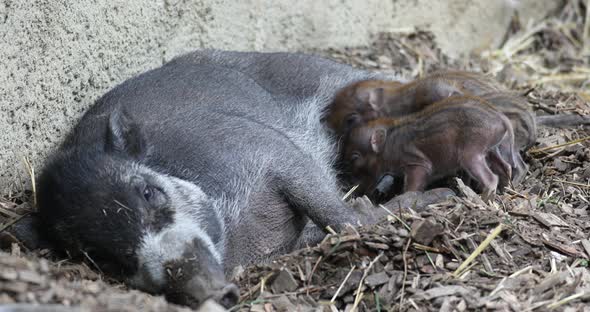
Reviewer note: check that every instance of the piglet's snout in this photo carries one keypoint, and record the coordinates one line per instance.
(383, 188)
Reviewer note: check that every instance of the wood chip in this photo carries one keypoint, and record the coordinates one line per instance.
(284, 282)
(586, 245)
(377, 279)
(469, 193)
(424, 231)
(31, 277)
(378, 246)
(343, 239)
(549, 219)
(563, 249)
(560, 165)
(444, 291)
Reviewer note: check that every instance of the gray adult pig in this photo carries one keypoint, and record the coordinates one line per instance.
(214, 160)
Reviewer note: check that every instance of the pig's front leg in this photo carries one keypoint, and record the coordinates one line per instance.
(311, 194)
(310, 236)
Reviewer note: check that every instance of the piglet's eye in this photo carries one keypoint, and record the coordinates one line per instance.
(355, 156)
(352, 120)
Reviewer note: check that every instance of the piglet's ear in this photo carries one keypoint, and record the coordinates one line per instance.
(455, 93)
(371, 96)
(376, 99)
(124, 136)
(378, 140)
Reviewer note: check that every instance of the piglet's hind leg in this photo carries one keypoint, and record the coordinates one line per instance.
(500, 167)
(415, 178)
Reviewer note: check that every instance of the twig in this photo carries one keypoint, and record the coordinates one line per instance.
(91, 261)
(9, 224)
(253, 289)
(486, 262)
(430, 260)
(565, 300)
(586, 36)
(426, 248)
(313, 270)
(414, 304)
(8, 213)
(396, 217)
(516, 43)
(262, 284)
(466, 270)
(562, 77)
(517, 273)
(359, 296)
(377, 302)
(499, 287)
(331, 230)
(121, 205)
(478, 250)
(572, 183)
(547, 148)
(31, 172)
(342, 285)
(403, 291)
(350, 192)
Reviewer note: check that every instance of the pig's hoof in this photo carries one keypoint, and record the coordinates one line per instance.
(365, 207)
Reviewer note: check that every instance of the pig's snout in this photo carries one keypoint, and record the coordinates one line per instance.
(228, 296)
(203, 282)
(197, 291)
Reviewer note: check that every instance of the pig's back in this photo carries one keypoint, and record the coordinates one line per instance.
(212, 125)
(286, 76)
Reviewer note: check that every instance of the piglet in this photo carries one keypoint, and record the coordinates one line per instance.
(458, 133)
(366, 100)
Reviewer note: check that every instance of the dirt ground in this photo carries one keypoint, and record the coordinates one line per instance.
(527, 250)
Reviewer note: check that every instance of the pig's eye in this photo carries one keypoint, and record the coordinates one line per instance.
(148, 193)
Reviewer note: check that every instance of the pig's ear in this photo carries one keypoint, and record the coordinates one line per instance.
(378, 139)
(125, 136)
(376, 99)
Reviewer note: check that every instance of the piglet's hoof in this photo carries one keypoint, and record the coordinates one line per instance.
(419, 200)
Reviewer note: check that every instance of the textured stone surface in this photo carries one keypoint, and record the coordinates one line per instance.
(58, 56)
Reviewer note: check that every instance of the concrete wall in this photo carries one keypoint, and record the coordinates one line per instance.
(58, 56)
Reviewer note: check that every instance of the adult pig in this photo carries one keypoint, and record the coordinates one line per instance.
(214, 160)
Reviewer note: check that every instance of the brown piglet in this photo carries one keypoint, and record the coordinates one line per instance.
(517, 109)
(457, 133)
(366, 100)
